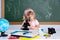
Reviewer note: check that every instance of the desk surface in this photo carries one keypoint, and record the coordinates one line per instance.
(9, 31)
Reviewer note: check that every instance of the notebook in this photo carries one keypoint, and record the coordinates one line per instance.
(24, 33)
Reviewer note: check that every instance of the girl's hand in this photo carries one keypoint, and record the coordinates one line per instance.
(31, 27)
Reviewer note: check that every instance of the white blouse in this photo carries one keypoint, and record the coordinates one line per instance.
(34, 23)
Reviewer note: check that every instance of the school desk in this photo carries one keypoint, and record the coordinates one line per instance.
(28, 35)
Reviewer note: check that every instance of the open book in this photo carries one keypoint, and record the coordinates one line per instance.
(24, 33)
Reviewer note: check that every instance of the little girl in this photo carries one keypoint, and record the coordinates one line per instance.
(34, 24)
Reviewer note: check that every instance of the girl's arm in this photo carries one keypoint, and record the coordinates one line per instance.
(37, 24)
(34, 27)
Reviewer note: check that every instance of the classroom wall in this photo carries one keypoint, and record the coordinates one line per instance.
(0, 8)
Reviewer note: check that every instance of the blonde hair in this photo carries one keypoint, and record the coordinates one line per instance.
(28, 12)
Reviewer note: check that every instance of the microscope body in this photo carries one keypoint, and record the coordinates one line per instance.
(26, 24)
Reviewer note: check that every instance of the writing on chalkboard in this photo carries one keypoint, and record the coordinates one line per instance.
(46, 10)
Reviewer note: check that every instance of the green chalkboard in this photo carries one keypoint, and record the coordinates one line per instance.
(46, 10)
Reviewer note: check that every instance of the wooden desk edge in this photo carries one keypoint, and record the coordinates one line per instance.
(41, 23)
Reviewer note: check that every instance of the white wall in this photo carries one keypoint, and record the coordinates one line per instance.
(0, 8)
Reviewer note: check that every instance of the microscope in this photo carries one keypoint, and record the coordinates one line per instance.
(26, 24)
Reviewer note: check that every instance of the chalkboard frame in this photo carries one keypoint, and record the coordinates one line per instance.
(43, 23)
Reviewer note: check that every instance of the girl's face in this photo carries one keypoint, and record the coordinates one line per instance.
(31, 17)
